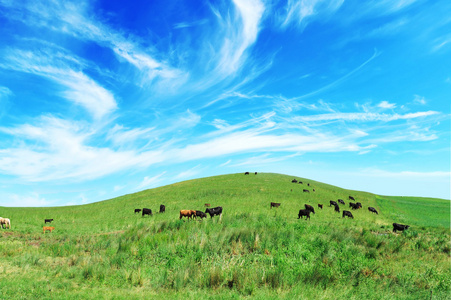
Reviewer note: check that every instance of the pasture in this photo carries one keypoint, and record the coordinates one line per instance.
(104, 250)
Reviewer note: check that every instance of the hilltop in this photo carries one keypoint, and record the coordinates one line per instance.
(104, 250)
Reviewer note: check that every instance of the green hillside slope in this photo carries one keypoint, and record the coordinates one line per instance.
(104, 250)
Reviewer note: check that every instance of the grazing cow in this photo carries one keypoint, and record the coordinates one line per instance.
(45, 228)
(207, 204)
(214, 211)
(300, 182)
(347, 213)
(200, 214)
(247, 173)
(308, 184)
(359, 204)
(337, 209)
(320, 206)
(274, 204)
(373, 210)
(5, 221)
(354, 205)
(255, 173)
(187, 213)
(399, 227)
(162, 208)
(294, 181)
(137, 210)
(314, 190)
(332, 203)
(48, 221)
(341, 201)
(146, 211)
(309, 207)
(304, 212)
(306, 191)
(351, 198)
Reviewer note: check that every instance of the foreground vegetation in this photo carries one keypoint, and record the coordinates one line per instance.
(104, 250)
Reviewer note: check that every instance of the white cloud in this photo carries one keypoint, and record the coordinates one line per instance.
(386, 105)
(304, 11)
(189, 173)
(419, 100)
(149, 182)
(25, 200)
(5, 92)
(364, 117)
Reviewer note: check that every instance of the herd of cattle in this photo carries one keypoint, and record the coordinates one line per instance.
(217, 211)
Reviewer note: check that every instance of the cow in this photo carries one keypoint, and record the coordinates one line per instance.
(309, 207)
(359, 204)
(294, 181)
(300, 182)
(399, 227)
(247, 173)
(214, 211)
(373, 210)
(354, 205)
(341, 201)
(5, 221)
(274, 204)
(45, 228)
(320, 206)
(337, 209)
(347, 213)
(137, 210)
(314, 190)
(207, 204)
(308, 184)
(351, 198)
(255, 173)
(48, 221)
(332, 203)
(200, 214)
(306, 191)
(304, 212)
(146, 211)
(162, 208)
(187, 213)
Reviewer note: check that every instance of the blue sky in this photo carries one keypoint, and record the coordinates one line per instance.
(103, 98)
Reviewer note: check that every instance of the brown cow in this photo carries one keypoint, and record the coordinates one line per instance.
(187, 213)
(45, 228)
(207, 204)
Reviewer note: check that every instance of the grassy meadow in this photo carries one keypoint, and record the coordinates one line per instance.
(105, 251)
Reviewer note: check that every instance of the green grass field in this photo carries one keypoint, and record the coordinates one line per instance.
(105, 251)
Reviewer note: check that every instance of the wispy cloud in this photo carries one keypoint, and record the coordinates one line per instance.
(386, 105)
(149, 182)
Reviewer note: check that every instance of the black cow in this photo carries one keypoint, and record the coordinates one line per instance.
(146, 211)
(399, 227)
(200, 214)
(373, 210)
(313, 189)
(347, 213)
(309, 207)
(162, 208)
(351, 198)
(337, 209)
(359, 204)
(332, 203)
(274, 204)
(294, 181)
(214, 211)
(137, 210)
(48, 221)
(304, 212)
(320, 206)
(247, 173)
(308, 184)
(341, 201)
(306, 191)
(354, 205)
(255, 173)
(300, 182)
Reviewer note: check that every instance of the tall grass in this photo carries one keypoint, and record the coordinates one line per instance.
(104, 250)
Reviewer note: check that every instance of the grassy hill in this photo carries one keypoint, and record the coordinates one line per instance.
(104, 250)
